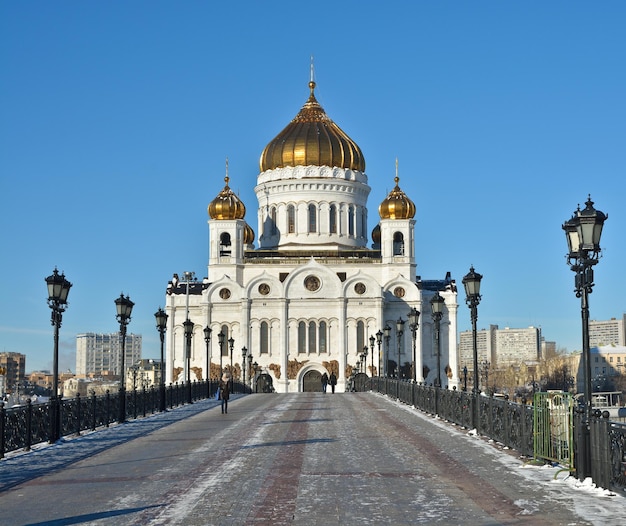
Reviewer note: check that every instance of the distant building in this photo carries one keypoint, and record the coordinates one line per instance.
(100, 354)
(143, 374)
(41, 379)
(608, 365)
(607, 332)
(501, 346)
(13, 368)
(85, 387)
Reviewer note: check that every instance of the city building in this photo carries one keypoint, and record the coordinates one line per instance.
(501, 347)
(13, 369)
(312, 297)
(143, 374)
(100, 354)
(607, 332)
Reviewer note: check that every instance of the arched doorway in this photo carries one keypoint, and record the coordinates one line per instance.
(264, 384)
(312, 382)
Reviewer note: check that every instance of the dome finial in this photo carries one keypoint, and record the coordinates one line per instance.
(226, 178)
(312, 77)
(396, 178)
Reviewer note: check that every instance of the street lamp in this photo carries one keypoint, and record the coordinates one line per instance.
(372, 342)
(188, 329)
(387, 333)
(414, 317)
(244, 351)
(583, 232)
(379, 341)
(207, 340)
(221, 338)
(124, 309)
(399, 333)
(365, 357)
(250, 367)
(465, 378)
(471, 282)
(436, 305)
(58, 290)
(161, 325)
(231, 345)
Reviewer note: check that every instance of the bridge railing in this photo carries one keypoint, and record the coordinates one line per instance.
(511, 424)
(24, 426)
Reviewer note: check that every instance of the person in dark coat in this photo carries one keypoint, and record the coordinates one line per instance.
(333, 381)
(324, 382)
(225, 392)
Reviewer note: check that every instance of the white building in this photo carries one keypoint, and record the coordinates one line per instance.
(308, 299)
(100, 354)
(607, 332)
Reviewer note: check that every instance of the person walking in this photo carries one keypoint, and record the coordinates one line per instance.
(225, 392)
(324, 382)
(333, 381)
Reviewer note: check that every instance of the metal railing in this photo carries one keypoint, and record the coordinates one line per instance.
(512, 425)
(24, 426)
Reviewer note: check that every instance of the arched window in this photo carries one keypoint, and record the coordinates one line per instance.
(398, 244)
(264, 337)
(312, 218)
(363, 222)
(301, 337)
(322, 337)
(291, 219)
(312, 337)
(351, 221)
(332, 220)
(360, 336)
(273, 229)
(224, 244)
(225, 351)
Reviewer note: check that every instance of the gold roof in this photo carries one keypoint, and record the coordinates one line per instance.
(248, 235)
(376, 234)
(397, 205)
(312, 139)
(226, 205)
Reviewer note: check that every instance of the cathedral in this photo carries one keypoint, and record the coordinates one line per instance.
(311, 297)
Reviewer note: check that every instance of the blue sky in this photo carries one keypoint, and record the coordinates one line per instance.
(116, 119)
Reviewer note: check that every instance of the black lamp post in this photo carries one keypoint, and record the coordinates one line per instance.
(188, 329)
(364, 355)
(231, 345)
(58, 290)
(436, 305)
(465, 378)
(387, 333)
(379, 341)
(583, 232)
(221, 338)
(399, 333)
(255, 367)
(249, 367)
(161, 325)
(244, 352)
(207, 340)
(414, 317)
(471, 282)
(372, 342)
(124, 309)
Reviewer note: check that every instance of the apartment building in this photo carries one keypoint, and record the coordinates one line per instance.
(100, 354)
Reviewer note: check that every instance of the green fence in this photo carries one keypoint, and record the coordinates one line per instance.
(553, 427)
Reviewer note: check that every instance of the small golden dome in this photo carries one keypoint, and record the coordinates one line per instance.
(397, 205)
(312, 139)
(248, 235)
(376, 235)
(226, 205)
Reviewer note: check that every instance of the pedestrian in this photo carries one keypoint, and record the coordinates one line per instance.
(333, 381)
(324, 382)
(225, 392)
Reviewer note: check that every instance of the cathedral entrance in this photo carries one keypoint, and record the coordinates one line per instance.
(264, 384)
(312, 382)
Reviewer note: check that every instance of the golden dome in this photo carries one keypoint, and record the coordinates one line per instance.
(226, 205)
(397, 205)
(312, 139)
(248, 235)
(376, 235)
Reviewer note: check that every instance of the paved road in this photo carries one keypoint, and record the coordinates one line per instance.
(305, 459)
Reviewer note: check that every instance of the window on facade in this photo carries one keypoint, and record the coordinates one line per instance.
(224, 348)
(332, 220)
(301, 337)
(312, 337)
(273, 228)
(322, 337)
(225, 244)
(398, 244)
(264, 336)
(351, 221)
(360, 336)
(363, 223)
(291, 219)
(312, 219)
